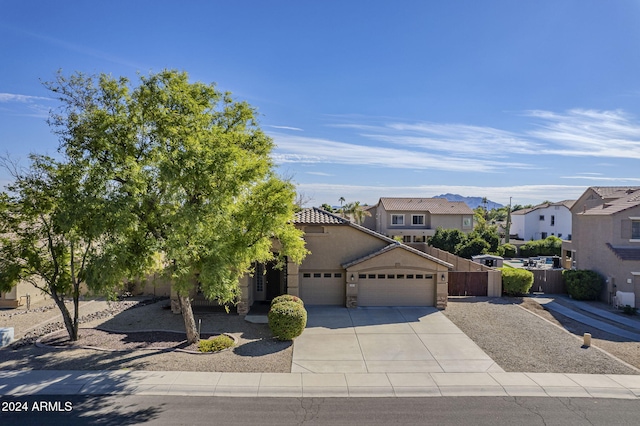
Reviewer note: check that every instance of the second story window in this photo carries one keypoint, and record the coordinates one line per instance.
(541, 217)
(635, 230)
(417, 219)
(397, 219)
(553, 220)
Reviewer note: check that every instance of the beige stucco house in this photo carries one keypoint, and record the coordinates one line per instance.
(350, 265)
(606, 238)
(414, 220)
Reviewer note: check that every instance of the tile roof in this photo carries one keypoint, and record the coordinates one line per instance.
(625, 253)
(628, 199)
(432, 205)
(316, 216)
(613, 191)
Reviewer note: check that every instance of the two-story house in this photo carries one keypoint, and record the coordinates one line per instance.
(414, 220)
(542, 221)
(606, 238)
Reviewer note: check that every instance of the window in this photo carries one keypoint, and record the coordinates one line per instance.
(400, 276)
(391, 276)
(543, 235)
(317, 275)
(327, 274)
(419, 276)
(541, 217)
(417, 219)
(337, 275)
(371, 276)
(306, 275)
(409, 276)
(467, 222)
(397, 219)
(635, 230)
(553, 220)
(406, 239)
(559, 235)
(419, 239)
(381, 276)
(362, 276)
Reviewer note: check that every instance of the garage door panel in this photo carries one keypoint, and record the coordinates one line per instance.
(396, 292)
(322, 291)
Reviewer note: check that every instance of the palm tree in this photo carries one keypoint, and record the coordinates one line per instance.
(341, 200)
(357, 211)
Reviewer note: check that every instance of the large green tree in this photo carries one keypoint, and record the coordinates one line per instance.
(56, 225)
(193, 168)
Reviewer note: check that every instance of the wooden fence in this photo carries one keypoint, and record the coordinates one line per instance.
(468, 283)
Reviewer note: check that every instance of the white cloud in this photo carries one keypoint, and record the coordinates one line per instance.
(580, 133)
(317, 150)
(596, 177)
(286, 128)
(319, 174)
(12, 97)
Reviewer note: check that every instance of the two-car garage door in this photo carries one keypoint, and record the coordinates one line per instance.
(396, 290)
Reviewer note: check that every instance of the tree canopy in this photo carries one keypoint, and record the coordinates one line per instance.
(190, 174)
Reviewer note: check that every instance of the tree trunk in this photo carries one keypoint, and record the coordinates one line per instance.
(70, 325)
(193, 336)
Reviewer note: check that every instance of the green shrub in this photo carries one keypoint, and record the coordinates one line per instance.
(629, 310)
(582, 284)
(287, 320)
(216, 344)
(516, 282)
(550, 246)
(509, 250)
(287, 298)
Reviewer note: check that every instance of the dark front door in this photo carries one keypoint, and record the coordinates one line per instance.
(274, 282)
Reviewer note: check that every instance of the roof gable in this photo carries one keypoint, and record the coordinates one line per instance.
(394, 246)
(316, 216)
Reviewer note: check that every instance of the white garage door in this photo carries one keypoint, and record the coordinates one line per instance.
(322, 288)
(396, 290)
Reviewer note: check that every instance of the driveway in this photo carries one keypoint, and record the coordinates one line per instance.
(385, 340)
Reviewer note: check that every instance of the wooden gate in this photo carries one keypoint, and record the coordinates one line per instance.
(548, 281)
(468, 283)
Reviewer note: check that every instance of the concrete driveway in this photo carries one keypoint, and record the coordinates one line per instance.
(385, 340)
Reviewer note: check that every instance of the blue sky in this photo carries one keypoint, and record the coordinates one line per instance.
(531, 100)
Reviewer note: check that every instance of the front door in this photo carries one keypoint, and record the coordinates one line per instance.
(274, 282)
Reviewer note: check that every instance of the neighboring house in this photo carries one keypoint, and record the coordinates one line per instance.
(606, 238)
(350, 265)
(415, 220)
(540, 222)
(20, 294)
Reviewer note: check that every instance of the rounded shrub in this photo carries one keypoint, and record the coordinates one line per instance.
(216, 344)
(287, 320)
(287, 298)
(583, 284)
(510, 250)
(516, 282)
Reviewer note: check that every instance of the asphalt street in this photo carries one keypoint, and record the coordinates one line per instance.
(172, 410)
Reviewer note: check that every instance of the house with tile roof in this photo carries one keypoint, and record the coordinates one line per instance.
(606, 238)
(350, 265)
(542, 221)
(415, 220)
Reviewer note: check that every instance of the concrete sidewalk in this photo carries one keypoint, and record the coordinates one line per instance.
(52, 382)
(574, 314)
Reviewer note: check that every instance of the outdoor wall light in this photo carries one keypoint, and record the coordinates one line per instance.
(353, 278)
(442, 277)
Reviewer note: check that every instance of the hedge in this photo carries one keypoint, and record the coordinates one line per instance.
(516, 282)
(583, 284)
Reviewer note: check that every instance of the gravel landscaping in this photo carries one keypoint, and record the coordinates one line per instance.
(520, 341)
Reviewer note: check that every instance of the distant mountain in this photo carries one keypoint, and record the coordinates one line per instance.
(472, 202)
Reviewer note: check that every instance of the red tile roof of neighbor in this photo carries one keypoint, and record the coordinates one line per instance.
(432, 205)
